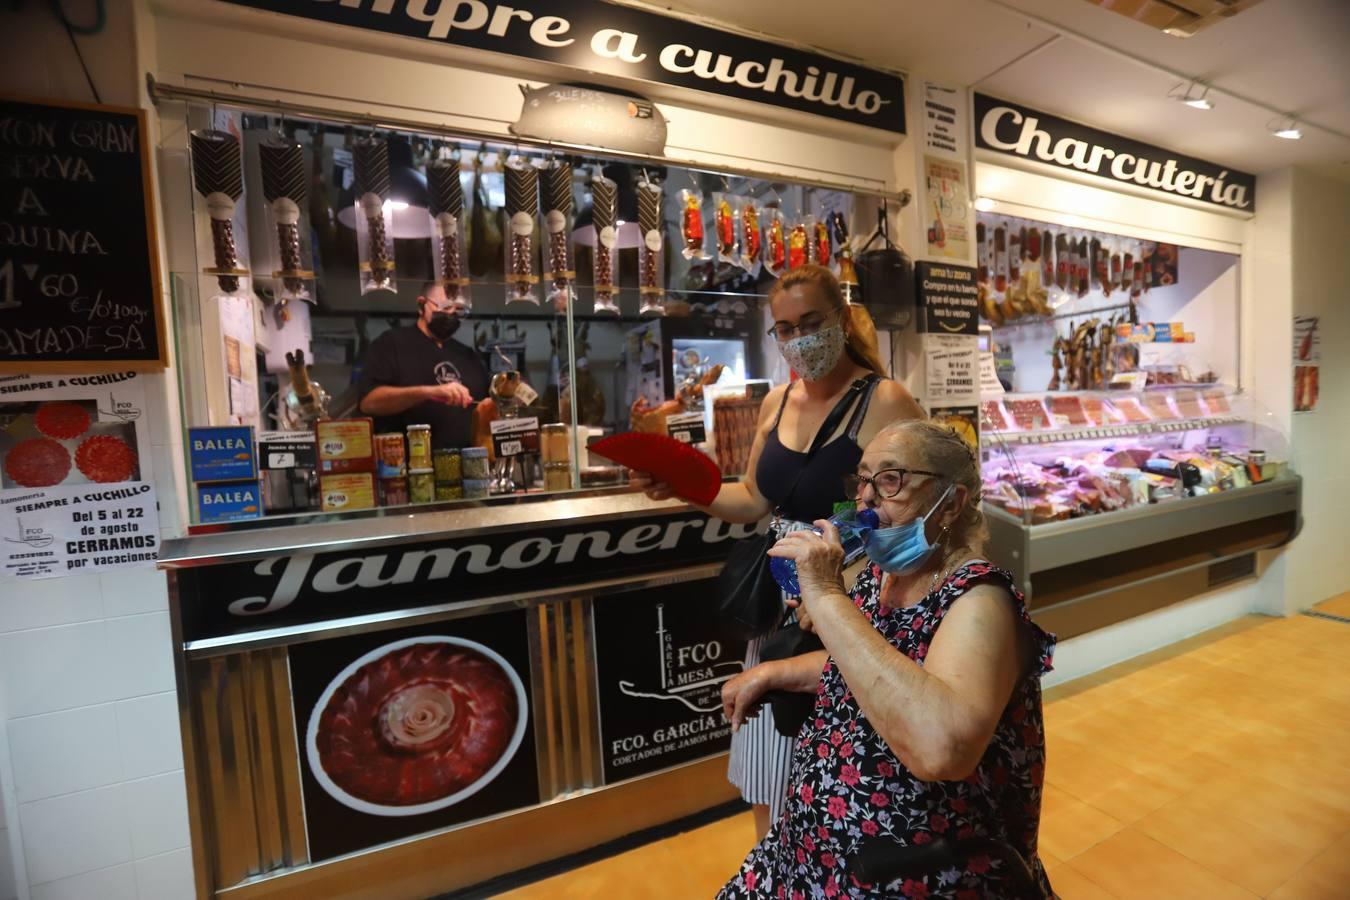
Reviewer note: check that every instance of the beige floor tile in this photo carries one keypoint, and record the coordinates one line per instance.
(1302, 819)
(1069, 826)
(1070, 884)
(1123, 794)
(1336, 606)
(1130, 864)
(1327, 877)
(1256, 858)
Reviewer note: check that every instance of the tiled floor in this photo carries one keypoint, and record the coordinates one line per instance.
(1218, 767)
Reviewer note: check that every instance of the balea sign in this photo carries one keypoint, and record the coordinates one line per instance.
(1026, 133)
(596, 36)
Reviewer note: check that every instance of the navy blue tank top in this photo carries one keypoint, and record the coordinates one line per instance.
(821, 484)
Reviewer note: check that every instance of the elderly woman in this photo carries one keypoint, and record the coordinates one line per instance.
(927, 722)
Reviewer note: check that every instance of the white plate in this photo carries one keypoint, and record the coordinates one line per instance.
(376, 809)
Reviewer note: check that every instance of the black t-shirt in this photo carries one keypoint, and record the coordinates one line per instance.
(405, 357)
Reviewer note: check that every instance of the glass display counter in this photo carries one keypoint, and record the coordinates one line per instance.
(1090, 493)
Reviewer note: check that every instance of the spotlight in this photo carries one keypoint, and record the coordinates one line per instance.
(1190, 98)
(1285, 128)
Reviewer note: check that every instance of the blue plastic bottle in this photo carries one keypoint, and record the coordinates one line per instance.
(853, 530)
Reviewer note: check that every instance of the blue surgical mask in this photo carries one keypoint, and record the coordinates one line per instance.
(902, 549)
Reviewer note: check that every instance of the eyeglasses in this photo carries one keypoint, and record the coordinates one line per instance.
(885, 484)
(809, 324)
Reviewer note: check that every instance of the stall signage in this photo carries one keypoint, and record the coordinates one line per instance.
(404, 732)
(662, 656)
(951, 367)
(949, 295)
(78, 530)
(301, 588)
(79, 283)
(229, 502)
(512, 437)
(596, 36)
(689, 428)
(1029, 134)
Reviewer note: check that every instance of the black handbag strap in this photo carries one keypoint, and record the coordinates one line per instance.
(827, 428)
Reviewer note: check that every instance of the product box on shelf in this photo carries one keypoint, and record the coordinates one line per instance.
(221, 454)
(347, 491)
(345, 445)
(229, 502)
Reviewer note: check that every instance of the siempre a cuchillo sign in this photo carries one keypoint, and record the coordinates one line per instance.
(1026, 133)
(631, 43)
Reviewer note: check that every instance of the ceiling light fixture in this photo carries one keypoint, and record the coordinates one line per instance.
(1285, 127)
(1189, 97)
(984, 204)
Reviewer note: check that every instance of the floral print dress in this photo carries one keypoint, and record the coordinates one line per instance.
(847, 787)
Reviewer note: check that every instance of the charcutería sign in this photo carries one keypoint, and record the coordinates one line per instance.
(308, 587)
(1026, 133)
(631, 43)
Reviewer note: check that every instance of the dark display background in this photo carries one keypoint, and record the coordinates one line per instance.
(629, 650)
(335, 829)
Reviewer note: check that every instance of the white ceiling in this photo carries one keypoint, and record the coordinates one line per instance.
(1293, 55)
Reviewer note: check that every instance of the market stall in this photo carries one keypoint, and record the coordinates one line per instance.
(1126, 465)
(412, 632)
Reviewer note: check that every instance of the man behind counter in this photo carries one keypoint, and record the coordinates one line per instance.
(417, 375)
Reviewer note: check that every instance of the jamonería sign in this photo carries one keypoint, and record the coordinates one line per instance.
(1026, 133)
(301, 588)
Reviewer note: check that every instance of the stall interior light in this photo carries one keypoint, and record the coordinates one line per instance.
(1187, 94)
(984, 204)
(1286, 128)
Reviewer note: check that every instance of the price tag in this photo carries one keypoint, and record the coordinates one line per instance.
(512, 437)
(687, 428)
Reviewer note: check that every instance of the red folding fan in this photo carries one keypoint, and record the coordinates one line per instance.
(688, 471)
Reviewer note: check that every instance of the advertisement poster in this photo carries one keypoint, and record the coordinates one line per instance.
(1307, 358)
(949, 295)
(952, 363)
(408, 731)
(76, 492)
(947, 210)
(661, 659)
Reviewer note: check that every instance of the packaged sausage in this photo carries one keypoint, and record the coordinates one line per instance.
(445, 195)
(797, 246)
(691, 224)
(725, 233)
(605, 259)
(559, 269)
(374, 216)
(775, 241)
(651, 253)
(752, 238)
(522, 209)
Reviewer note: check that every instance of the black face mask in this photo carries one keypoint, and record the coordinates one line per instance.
(443, 325)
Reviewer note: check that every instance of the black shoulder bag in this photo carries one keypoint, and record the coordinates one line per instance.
(749, 600)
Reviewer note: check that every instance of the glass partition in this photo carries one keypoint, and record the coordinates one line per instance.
(348, 278)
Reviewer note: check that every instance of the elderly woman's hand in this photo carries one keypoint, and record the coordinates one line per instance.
(819, 557)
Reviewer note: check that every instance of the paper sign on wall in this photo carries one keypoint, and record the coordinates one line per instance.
(951, 362)
(76, 490)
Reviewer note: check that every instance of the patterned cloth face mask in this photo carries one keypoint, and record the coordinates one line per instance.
(813, 356)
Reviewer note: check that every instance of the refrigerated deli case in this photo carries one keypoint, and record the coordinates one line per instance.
(437, 700)
(1109, 504)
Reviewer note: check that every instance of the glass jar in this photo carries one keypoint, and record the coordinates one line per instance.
(476, 488)
(557, 476)
(447, 465)
(419, 446)
(453, 491)
(422, 485)
(553, 443)
(394, 491)
(474, 464)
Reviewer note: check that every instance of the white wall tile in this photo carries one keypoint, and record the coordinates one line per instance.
(50, 601)
(148, 735)
(8, 888)
(166, 877)
(50, 669)
(127, 592)
(156, 810)
(64, 752)
(112, 883)
(140, 655)
(74, 834)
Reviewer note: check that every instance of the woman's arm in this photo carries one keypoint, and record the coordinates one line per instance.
(741, 695)
(939, 717)
(738, 501)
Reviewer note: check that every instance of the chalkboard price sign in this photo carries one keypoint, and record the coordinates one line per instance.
(79, 274)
